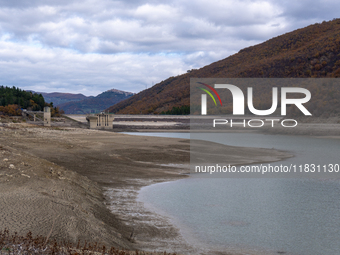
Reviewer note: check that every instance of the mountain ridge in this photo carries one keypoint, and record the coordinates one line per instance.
(95, 104)
(58, 98)
(310, 52)
(78, 103)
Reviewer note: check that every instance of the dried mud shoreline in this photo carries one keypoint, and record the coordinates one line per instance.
(87, 182)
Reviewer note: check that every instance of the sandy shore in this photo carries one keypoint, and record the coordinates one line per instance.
(87, 182)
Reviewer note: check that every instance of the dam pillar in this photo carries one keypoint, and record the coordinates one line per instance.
(47, 116)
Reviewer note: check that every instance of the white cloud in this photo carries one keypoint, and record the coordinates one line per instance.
(157, 14)
(68, 71)
(90, 46)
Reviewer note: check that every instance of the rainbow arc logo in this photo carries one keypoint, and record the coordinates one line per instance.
(208, 92)
(204, 97)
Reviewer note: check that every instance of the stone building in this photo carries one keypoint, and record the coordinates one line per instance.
(100, 121)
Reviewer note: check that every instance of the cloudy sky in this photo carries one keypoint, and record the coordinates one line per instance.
(90, 46)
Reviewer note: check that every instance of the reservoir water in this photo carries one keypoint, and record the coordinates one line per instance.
(292, 216)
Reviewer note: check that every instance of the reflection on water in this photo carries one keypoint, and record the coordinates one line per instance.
(298, 216)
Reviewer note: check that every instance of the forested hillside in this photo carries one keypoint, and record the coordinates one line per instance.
(13, 99)
(311, 52)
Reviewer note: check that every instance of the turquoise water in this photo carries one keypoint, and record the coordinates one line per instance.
(296, 216)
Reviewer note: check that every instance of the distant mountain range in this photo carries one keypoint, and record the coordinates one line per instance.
(61, 98)
(80, 104)
(310, 52)
(95, 104)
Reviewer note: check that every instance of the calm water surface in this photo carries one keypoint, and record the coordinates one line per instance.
(297, 216)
